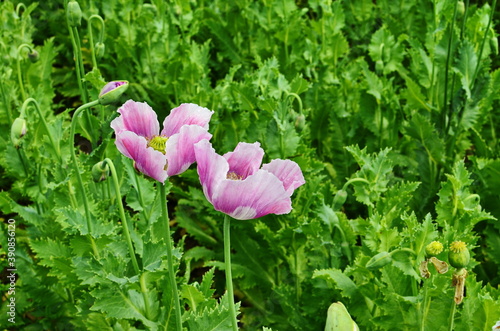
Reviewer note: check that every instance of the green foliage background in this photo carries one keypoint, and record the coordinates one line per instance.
(389, 107)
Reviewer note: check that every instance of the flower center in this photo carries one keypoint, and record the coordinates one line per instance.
(158, 143)
(233, 176)
(458, 247)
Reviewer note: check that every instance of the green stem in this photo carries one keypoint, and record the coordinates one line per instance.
(44, 122)
(447, 69)
(452, 315)
(229, 277)
(493, 7)
(19, 74)
(425, 305)
(126, 232)
(6, 103)
(79, 61)
(77, 169)
(171, 275)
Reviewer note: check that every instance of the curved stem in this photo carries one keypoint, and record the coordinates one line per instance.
(229, 276)
(44, 122)
(19, 74)
(91, 36)
(77, 169)
(171, 275)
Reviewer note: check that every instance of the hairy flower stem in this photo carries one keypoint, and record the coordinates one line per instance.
(77, 170)
(452, 315)
(19, 74)
(126, 232)
(229, 277)
(171, 275)
(425, 305)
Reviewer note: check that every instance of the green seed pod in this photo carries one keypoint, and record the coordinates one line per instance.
(380, 260)
(74, 14)
(100, 172)
(99, 50)
(338, 319)
(17, 131)
(458, 256)
(33, 56)
(112, 91)
(433, 249)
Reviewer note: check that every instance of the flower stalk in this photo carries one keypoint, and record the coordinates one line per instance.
(171, 275)
(19, 74)
(229, 276)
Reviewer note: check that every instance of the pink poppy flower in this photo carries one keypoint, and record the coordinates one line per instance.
(235, 185)
(160, 154)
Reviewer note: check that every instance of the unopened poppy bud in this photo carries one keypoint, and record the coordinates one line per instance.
(300, 122)
(458, 256)
(112, 91)
(99, 50)
(380, 260)
(33, 56)
(339, 199)
(74, 14)
(433, 249)
(17, 131)
(460, 8)
(338, 319)
(100, 171)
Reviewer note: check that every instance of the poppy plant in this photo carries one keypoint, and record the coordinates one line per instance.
(235, 185)
(160, 154)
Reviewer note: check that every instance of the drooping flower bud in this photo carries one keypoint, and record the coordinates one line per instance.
(100, 171)
(99, 50)
(112, 91)
(458, 256)
(433, 249)
(33, 56)
(17, 131)
(338, 319)
(380, 260)
(300, 122)
(339, 199)
(74, 14)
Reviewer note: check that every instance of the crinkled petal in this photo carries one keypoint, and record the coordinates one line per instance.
(245, 160)
(212, 167)
(147, 160)
(288, 172)
(186, 114)
(256, 196)
(137, 117)
(180, 148)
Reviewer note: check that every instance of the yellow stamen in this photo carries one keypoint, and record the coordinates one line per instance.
(158, 143)
(233, 176)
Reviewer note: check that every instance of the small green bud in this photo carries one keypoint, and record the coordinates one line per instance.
(100, 171)
(112, 91)
(460, 8)
(17, 131)
(433, 249)
(99, 50)
(33, 56)
(380, 260)
(74, 13)
(300, 122)
(338, 319)
(339, 199)
(458, 256)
